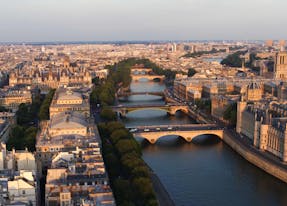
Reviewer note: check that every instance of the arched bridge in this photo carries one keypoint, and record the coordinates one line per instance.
(137, 77)
(126, 94)
(141, 70)
(169, 108)
(187, 132)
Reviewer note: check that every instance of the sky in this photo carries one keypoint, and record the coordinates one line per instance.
(130, 20)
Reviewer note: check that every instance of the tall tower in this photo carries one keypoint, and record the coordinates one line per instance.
(241, 106)
(280, 66)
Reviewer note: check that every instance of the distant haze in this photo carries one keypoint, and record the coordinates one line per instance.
(109, 20)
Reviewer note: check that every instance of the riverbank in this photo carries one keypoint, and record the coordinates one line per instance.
(253, 156)
(161, 193)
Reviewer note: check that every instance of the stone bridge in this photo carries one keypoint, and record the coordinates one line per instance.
(187, 132)
(169, 108)
(148, 77)
(141, 70)
(126, 94)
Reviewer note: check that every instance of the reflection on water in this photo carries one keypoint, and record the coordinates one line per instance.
(205, 172)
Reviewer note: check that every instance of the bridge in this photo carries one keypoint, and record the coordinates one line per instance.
(137, 77)
(169, 108)
(126, 94)
(140, 70)
(188, 132)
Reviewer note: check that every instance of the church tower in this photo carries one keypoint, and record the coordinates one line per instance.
(280, 67)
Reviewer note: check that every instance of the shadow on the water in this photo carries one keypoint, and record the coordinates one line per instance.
(206, 140)
(179, 142)
(167, 142)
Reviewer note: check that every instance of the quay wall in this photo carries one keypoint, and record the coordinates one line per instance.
(255, 158)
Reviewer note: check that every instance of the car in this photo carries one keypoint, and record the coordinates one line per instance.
(146, 130)
(157, 128)
(169, 128)
(133, 129)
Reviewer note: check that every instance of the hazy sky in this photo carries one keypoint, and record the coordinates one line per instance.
(88, 20)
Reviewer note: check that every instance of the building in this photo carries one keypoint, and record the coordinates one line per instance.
(78, 177)
(66, 99)
(280, 66)
(18, 178)
(220, 103)
(254, 92)
(52, 76)
(11, 98)
(264, 123)
(101, 73)
(64, 132)
(269, 43)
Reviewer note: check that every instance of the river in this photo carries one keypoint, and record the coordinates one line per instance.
(205, 172)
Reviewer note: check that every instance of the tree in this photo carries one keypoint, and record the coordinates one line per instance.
(143, 187)
(44, 109)
(230, 113)
(124, 146)
(30, 138)
(112, 126)
(123, 192)
(113, 164)
(118, 135)
(108, 114)
(16, 138)
(140, 171)
(191, 72)
(23, 114)
(234, 60)
(3, 109)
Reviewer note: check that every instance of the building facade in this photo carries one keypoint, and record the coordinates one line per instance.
(264, 123)
(69, 100)
(280, 66)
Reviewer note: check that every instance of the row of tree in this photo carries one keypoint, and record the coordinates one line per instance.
(119, 76)
(200, 53)
(129, 174)
(234, 60)
(169, 74)
(44, 109)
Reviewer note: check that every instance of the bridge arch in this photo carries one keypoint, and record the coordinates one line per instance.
(175, 109)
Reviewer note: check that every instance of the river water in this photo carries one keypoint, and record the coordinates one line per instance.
(205, 172)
